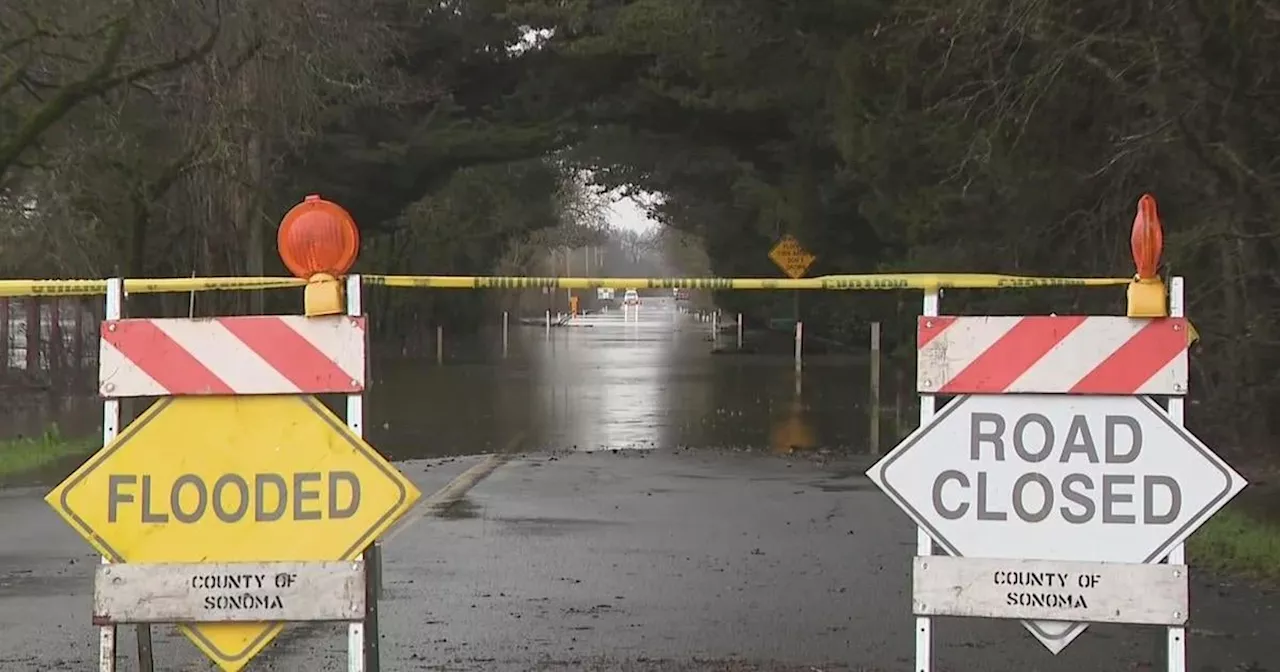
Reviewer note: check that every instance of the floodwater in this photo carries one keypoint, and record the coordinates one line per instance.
(603, 382)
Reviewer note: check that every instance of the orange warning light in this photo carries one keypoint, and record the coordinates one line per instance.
(318, 241)
(318, 236)
(1148, 238)
(1146, 294)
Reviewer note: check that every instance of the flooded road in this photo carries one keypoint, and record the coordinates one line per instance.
(600, 383)
(605, 383)
(622, 529)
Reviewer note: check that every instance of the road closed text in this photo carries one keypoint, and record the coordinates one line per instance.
(233, 498)
(1074, 473)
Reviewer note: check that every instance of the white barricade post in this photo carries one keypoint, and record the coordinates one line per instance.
(238, 501)
(799, 344)
(1070, 484)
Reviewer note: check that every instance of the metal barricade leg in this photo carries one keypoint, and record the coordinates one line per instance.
(924, 544)
(1175, 639)
(362, 637)
(372, 654)
(110, 428)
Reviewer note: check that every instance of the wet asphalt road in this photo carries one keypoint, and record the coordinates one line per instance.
(641, 560)
(628, 560)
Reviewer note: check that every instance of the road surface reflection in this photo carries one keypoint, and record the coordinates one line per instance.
(601, 382)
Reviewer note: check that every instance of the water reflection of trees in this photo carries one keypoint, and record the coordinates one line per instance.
(49, 343)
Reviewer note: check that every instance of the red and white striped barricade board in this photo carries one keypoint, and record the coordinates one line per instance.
(244, 355)
(1078, 354)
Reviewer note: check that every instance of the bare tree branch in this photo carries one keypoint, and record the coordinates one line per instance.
(101, 79)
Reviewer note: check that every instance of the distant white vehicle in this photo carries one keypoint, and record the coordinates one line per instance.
(631, 298)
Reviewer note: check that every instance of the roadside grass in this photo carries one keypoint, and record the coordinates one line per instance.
(1240, 541)
(30, 454)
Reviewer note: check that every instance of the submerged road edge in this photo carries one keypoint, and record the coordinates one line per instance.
(441, 499)
(454, 490)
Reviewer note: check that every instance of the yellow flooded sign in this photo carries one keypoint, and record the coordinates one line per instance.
(791, 257)
(234, 479)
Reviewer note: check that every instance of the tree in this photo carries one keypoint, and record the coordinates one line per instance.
(190, 169)
(968, 135)
(50, 64)
(974, 135)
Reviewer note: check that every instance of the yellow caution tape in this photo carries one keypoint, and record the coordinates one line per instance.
(141, 286)
(163, 285)
(888, 281)
(52, 287)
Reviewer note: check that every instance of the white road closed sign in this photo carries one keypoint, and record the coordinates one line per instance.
(1056, 477)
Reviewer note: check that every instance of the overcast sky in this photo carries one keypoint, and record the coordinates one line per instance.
(627, 213)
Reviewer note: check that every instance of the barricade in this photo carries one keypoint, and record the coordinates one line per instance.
(238, 501)
(1054, 481)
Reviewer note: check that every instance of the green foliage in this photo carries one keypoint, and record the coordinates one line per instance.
(1239, 541)
(464, 228)
(969, 135)
(24, 455)
(926, 135)
(406, 113)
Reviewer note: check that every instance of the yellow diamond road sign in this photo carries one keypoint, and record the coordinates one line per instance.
(234, 479)
(793, 259)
